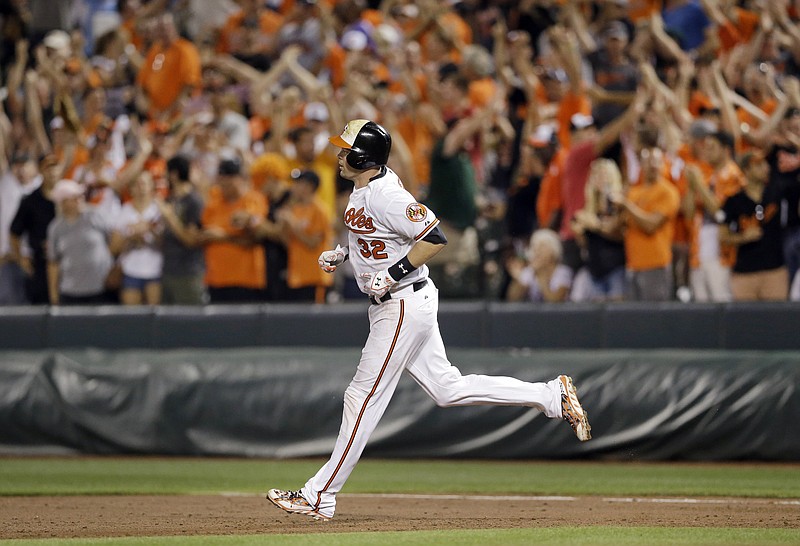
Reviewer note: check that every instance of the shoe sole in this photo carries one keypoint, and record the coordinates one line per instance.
(313, 514)
(576, 413)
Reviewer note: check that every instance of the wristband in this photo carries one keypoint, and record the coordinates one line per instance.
(401, 269)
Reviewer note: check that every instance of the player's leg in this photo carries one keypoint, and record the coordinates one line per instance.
(448, 387)
(444, 382)
(365, 400)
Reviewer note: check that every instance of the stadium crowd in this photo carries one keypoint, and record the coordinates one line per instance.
(176, 152)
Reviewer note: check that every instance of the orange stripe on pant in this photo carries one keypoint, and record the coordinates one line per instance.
(364, 406)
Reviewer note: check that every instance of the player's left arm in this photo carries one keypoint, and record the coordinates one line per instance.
(425, 249)
(378, 283)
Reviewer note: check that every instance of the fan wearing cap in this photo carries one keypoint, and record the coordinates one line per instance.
(309, 158)
(390, 238)
(183, 274)
(270, 174)
(307, 230)
(614, 71)
(78, 255)
(235, 265)
(587, 143)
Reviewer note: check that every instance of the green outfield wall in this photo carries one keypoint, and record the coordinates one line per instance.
(761, 326)
(644, 404)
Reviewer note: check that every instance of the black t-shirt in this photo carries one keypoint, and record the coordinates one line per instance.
(604, 255)
(178, 258)
(33, 216)
(521, 211)
(740, 213)
(784, 173)
(276, 255)
(622, 77)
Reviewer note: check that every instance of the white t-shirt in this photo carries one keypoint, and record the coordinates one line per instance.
(562, 277)
(11, 193)
(146, 261)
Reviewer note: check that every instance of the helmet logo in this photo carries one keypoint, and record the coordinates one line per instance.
(352, 129)
(416, 212)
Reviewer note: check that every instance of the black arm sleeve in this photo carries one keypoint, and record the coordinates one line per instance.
(436, 237)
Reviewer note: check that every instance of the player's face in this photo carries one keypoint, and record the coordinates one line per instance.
(344, 169)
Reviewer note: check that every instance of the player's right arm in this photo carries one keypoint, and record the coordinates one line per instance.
(329, 260)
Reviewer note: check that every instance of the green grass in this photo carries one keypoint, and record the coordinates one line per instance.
(145, 475)
(591, 536)
(72, 476)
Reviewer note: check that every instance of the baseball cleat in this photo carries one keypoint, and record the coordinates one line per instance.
(294, 503)
(572, 411)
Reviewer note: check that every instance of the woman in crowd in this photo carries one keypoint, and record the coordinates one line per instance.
(544, 278)
(137, 241)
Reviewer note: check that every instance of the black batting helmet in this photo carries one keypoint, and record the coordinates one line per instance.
(368, 142)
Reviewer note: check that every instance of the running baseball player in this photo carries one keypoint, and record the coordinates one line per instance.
(391, 237)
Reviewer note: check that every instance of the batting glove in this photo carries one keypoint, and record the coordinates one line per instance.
(378, 283)
(330, 259)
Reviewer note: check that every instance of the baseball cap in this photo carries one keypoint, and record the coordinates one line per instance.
(616, 29)
(66, 189)
(59, 41)
(543, 136)
(701, 128)
(557, 74)
(316, 111)
(580, 121)
(308, 176)
(354, 40)
(229, 167)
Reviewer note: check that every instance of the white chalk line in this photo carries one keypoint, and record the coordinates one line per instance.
(543, 498)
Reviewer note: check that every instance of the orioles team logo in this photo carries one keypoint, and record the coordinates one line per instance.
(416, 212)
(358, 222)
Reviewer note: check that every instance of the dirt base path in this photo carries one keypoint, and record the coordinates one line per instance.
(116, 516)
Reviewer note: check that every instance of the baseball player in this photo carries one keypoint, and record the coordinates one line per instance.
(390, 238)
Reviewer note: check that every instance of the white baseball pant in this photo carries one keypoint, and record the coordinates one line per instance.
(404, 336)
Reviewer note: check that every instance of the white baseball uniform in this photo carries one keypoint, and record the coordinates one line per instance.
(384, 222)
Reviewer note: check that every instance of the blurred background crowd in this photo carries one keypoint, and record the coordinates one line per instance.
(175, 151)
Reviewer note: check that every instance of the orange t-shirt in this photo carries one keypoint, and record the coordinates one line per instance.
(418, 137)
(652, 251)
(642, 9)
(166, 72)
(481, 91)
(303, 269)
(697, 101)
(727, 181)
(327, 168)
(230, 264)
(731, 34)
(568, 106)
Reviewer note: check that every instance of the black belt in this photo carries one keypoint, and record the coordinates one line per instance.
(419, 285)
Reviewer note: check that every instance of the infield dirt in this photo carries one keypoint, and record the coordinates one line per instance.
(117, 516)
